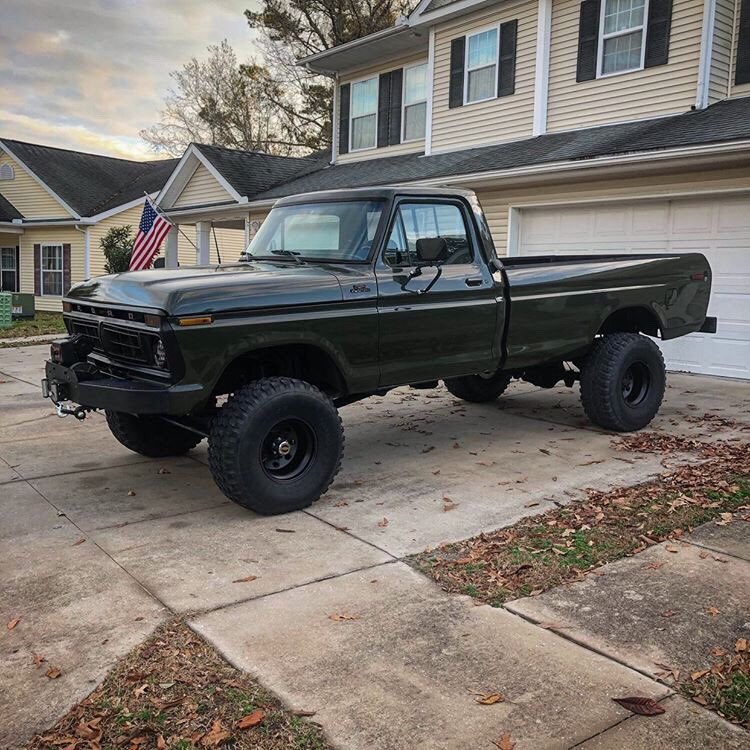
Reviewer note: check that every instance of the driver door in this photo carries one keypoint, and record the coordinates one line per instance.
(449, 330)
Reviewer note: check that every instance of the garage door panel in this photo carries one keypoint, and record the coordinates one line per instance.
(719, 227)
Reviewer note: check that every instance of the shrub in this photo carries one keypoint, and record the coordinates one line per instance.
(117, 246)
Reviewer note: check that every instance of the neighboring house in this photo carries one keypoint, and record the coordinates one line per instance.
(56, 205)
(584, 126)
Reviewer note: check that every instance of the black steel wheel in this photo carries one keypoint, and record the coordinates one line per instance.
(276, 445)
(623, 381)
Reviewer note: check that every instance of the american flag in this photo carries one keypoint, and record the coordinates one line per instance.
(151, 233)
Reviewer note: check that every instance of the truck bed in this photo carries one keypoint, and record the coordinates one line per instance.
(583, 291)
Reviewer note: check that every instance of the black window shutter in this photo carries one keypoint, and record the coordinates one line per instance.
(456, 90)
(394, 118)
(344, 118)
(18, 268)
(506, 77)
(588, 40)
(742, 68)
(37, 270)
(384, 108)
(67, 282)
(657, 33)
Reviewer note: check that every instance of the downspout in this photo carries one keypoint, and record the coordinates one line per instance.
(86, 250)
(706, 54)
(541, 71)
(430, 92)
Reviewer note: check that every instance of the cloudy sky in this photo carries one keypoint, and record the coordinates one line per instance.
(89, 74)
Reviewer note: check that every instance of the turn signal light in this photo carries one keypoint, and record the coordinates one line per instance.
(154, 321)
(202, 320)
(67, 307)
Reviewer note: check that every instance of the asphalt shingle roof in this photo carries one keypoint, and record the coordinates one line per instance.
(728, 120)
(86, 182)
(8, 211)
(251, 172)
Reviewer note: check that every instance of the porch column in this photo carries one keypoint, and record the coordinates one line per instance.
(247, 231)
(203, 243)
(170, 249)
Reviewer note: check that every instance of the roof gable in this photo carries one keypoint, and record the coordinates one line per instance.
(84, 183)
(202, 189)
(28, 193)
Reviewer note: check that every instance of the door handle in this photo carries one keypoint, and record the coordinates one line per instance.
(473, 282)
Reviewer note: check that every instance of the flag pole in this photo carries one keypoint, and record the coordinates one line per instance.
(167, 219)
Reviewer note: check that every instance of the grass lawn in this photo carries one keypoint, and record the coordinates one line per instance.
(42, 323)
(174, 692)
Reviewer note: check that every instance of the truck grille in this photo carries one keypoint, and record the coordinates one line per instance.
(89, 330)
(124, 344)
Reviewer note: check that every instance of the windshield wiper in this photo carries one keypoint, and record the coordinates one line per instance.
(289, 254)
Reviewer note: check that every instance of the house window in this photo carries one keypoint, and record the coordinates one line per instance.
(414, 116)
(52, 270)
(623, 33)
(482, 51)
(8, 270)
(6, 172)
(364, 114)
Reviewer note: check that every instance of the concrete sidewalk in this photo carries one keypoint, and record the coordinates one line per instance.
(402, 672)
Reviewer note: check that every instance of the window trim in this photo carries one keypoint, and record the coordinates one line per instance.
(491, 27)
(424, 101)
(16, 269)
(376, 78)
(42, 269)
(643, 28)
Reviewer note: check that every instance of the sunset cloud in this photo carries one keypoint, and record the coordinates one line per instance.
(90, 74)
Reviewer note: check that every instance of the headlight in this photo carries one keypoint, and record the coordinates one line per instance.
(160, 354)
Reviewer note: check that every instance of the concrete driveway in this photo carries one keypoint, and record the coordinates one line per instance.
(98, 545)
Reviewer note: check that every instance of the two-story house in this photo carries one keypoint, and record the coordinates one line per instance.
(583, 125)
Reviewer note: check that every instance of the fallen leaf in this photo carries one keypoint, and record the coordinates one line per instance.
(448, 504)
(713, 611)
(653, 566)
(302, 712)
(383, 523)
(163, 471)
(38, 660)
(53, 673)
(640, 705)
(89, 730)
(161, 743)
(671, 548)
(669, 612)
(741, 645)
(490, 699)
(251, 720)
(337, 617)
(695, 676)
(505, 742)
(131, 493)
(215, 736)
(12, 624)
(246, 579)
(78, 541)
(140, 690)
(700, 700)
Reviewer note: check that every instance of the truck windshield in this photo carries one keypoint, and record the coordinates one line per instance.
(342, 231)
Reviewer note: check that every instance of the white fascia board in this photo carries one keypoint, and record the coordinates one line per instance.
(686, 152)
(190, 155)
(7, 227)
(419, 16)
(41, 183)
(119, 209)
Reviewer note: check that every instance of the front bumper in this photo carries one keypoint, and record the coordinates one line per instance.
(100, 391)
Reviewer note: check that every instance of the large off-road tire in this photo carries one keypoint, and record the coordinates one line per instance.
(479, 388)
(151, 436)
(276, 445)
(622, 382)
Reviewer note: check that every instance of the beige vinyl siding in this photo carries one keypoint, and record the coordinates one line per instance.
(27, 195)
(202, 189)
(744, 88)
(661, 90)
(502, 119)
(51, 235)
(497, 202)
(377, 153)
(129, 217)
(721, 62)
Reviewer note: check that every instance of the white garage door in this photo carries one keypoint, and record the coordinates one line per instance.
(717, 227)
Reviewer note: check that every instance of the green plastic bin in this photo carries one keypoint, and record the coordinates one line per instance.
(6, 309)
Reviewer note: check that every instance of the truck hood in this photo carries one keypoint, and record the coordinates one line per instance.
(213, 289)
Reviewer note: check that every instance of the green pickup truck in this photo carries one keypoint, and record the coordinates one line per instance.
(346, 294)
